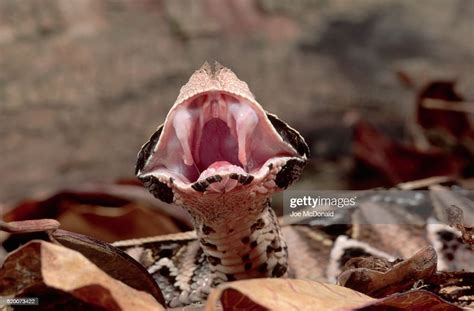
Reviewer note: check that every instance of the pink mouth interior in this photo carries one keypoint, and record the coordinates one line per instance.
(215, 133)
(217, 145)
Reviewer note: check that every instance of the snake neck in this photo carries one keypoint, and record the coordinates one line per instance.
(244, 247)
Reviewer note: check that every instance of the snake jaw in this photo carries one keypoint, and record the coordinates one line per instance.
(218, 139)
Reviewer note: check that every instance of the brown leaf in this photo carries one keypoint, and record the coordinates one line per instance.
(283, 294)
(443, 127)
(107, 257)
(416, 300)
(400, 277)
(28, 226)
(372, 263)
(400, 162)
(455, 287)
(64, 278)
(112, 260)
(108, 212)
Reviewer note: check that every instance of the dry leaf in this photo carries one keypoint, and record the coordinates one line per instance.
(284, 294)
(400, 162)
(63, 278)
(443, 127)
(290, 294)
(455, 287)
(112, 260)
(107, 257)
(108, 212)
(29, 226)
(398, 278)
(416, 300)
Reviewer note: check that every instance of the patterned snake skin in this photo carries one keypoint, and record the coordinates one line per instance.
(220, 156)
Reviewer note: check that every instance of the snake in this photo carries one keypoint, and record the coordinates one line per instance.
(221, 157)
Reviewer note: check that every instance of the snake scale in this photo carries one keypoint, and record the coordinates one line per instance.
(221, 156)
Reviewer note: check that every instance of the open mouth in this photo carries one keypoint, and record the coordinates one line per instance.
(215, 133)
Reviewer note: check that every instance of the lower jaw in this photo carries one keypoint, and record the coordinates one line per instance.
(248, 247)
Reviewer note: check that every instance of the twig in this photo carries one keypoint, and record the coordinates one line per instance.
(460, 106)
(26, 226)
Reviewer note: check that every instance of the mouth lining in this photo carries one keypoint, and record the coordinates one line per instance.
(215, 132)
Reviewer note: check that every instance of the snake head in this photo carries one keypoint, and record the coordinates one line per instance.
(217, 139)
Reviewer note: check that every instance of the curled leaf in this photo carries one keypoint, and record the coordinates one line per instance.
(376, 282)
(63, 278)
(109, 212)
(399, 162)
(455, 287)
(28, 226)
(415, 300)
(112, 260)
(283, 294)
(441, 125)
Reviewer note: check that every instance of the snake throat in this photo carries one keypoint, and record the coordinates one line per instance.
(250, 247)
(220, 156)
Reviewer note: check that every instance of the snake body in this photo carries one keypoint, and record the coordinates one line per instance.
(220, 156)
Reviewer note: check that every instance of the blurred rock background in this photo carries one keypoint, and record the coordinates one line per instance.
(84, 83)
